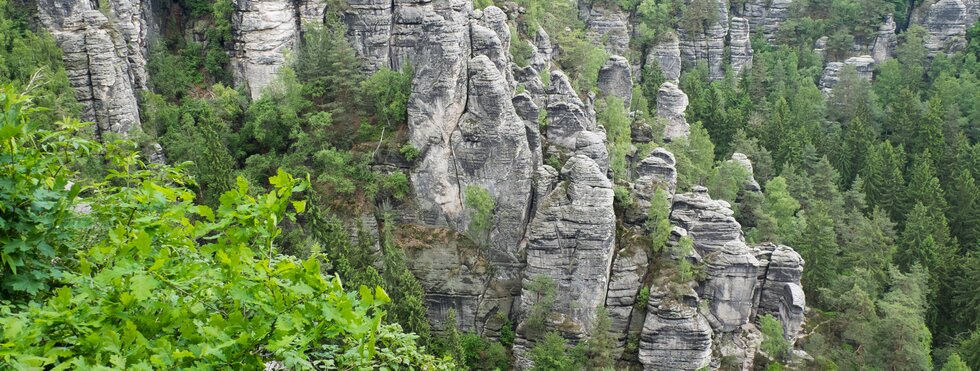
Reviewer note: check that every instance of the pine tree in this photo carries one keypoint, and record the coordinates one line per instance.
(902, 340)
(859, 138)
(964, 215)
(601, 345)
(818, 246)
(955, 363)
(924, 239)
(923, 184)
(869, 244)
(781, 207)
(884, 184)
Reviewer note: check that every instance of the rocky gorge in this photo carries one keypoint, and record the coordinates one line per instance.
(527, 136)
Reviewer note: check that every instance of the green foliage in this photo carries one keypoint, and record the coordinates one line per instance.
(622, 198)
(955, 363)
(33, 62)
(389, 92)
(520, 50)
(179, 284)
(695, 157)
(409, 152)
(406, 290)
(549, 354)
(774, 342)
(782, 209)
(658, 221)
(613, 116)
(481, 205)
(483, 354)
(37, 192)
(581, 59)
(600, 347)
(330, 73)
(543, 288)
(481, 4)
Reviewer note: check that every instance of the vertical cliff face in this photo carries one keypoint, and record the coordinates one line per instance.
(264, 31)
(946, 22)
(105, 56)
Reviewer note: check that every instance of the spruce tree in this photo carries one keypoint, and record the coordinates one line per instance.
(964, 215)
(923, 184)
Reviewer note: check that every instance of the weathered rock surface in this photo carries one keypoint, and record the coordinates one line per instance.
(543, 50)
(567, 114)
(742, 160)
(490, 36)
(667, 53)
(710, 223)
(625, 281)
(675, 336)
(946, 22)
(739, 44)
(731, 286)
(864, 65)
(671, 105)
(707, 44)
(781, 295)
(656, 171)
(369, 28)
(264, 31)
(885, 42)
(765, 16)
(616, 79)
(607, 25)
(572, 241)
(105, 59)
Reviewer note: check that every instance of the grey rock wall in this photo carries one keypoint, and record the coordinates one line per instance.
(105, 57)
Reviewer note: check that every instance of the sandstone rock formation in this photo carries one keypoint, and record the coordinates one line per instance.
(707, 44)
(946, 22)
(671, 104)
(667, 53)
(764, 16)
(264, 31)
(616, 79)
(864, 65)
(885, 42)
(571, 241)
(739, 44)
(675, 336)
(105, 59)
(607, 25)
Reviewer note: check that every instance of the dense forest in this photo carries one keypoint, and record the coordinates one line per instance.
(217, 234)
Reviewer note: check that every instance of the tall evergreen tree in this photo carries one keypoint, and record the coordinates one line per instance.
(902, 339)
(964, 214)
(923, 184)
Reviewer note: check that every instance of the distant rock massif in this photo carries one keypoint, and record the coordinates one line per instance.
(474, 127)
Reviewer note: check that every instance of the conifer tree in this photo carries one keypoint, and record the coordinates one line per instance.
(964, 214)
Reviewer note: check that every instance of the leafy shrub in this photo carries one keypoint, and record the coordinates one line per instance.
(658, 221)
(389, 91)
(621, 197)
(483, 354)
(482, 4)
(773, 341)
(550, 354)
(481, 205)
(543, 288)
(409, 152)
(615, 119)
(155, 280)
(520, 49)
